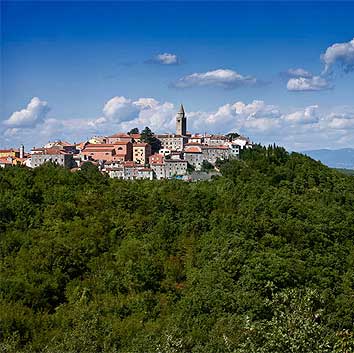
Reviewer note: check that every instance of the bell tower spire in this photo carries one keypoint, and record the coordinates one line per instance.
(181, 122)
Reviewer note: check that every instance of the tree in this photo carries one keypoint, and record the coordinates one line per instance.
(207, 166)
(149, 137)
(134, 130)
(232, 135)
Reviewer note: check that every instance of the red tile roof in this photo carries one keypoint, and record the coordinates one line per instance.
(121, 143)
(88, 150)
(145, 169)
(119, 134)
(4, 160)
(193, 149)
(99, 145)
(47, 151)
(11, 150)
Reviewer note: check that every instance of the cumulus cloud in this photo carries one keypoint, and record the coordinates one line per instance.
(302, 128)
(255, 116)
(126, 113)
(35, 113)
(341, 121)
(165, 59)
(221, 77)
(309, 115)
(299, 72)
(314, 83)
(341, 54)
(338, 54)
(120, 109)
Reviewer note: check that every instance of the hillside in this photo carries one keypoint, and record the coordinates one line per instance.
(260, 259)
(341, 158)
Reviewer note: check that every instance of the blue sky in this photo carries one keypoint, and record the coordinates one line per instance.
(74, 69)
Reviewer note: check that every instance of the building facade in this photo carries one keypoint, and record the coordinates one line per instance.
(141, 152)
(44, 155)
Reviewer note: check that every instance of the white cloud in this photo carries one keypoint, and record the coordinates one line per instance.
(341, 121)
(255, 116)
(309, 115)
(315, 83)
(221, 77)
(165, 59)
(33, 114)
(294, 73)
(262, 122)
(125, 113)
(120, 109)
(341, 54)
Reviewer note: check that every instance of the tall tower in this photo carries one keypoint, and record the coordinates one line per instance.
(181, 122)
(22, 151)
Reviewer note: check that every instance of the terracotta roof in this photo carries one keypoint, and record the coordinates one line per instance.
(88, 150)
(129, 164)
(120, 143)
(145, 169)
(193, 150)
(4, 160)
(99, 145)
(119, 134)
(47, 151)
(9, 150)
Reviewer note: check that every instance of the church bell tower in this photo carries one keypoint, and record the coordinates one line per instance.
(181, 122)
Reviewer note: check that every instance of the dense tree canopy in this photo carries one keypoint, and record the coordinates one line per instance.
(149, 137)
(260, 259)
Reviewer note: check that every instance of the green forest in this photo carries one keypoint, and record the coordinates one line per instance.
(259, 259)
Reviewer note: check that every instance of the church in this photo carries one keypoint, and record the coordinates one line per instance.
(181, 122)
(176, 142)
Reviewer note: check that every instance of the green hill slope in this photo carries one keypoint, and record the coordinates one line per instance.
(258, 260)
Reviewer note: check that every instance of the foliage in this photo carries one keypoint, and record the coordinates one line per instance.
(232, 135)
(346, 171)
(149, 137)
(134, 130)
(260, 259)
(207, 166)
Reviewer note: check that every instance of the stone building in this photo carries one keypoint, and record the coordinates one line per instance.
(194, 156)
(119, 151)
(40, 156)
(181, 122)
(175, 167)
(215, 140)
(212, 153)
(159, 170)
(141, 152)
(172, 142)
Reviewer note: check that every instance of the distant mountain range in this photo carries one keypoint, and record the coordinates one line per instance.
(342, 158)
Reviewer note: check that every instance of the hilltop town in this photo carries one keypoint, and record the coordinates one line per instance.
(137, 155)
